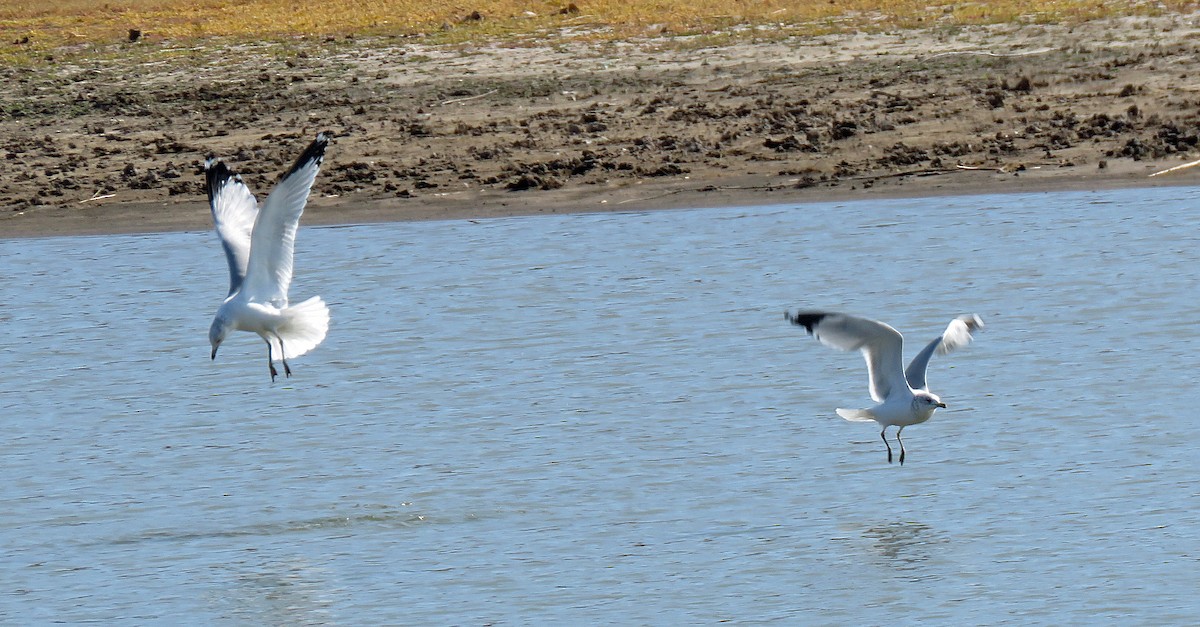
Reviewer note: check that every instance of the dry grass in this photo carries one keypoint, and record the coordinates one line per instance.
(33, 28)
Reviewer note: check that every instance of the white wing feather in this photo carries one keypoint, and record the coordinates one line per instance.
(234, 210)
(269, 271)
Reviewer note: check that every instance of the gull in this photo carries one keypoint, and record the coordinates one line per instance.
(258, 246)
(903, 395)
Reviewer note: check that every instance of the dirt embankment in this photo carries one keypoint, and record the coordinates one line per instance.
(116, 144)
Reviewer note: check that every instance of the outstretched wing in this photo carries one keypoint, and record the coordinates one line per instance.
(269, 272)
(881, 345)
(956, 335)
(234, 210)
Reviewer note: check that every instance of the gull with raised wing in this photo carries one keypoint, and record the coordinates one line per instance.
(903, 395)
(259, 244)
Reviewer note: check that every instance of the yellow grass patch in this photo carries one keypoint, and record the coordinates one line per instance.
(33, 26)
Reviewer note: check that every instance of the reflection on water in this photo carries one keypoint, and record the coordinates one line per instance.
(386, 519)
(604, 419)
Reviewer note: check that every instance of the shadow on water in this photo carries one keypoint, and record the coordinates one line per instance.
(385, 518)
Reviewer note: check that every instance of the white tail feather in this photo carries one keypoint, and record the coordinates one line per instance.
(303, 330)
(856, 415)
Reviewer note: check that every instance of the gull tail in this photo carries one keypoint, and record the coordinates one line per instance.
(305, 327)
(856, 415)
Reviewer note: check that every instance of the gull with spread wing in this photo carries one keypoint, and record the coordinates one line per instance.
(259, 244)
(903, 395)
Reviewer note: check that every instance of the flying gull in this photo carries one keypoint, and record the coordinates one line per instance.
(258, 245)
(903, 395)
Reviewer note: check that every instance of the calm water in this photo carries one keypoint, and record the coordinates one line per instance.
(605, 419)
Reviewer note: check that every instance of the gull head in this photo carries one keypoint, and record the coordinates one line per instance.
(926, 403)
(217, 332)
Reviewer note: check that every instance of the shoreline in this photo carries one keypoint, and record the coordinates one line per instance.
(151, 217)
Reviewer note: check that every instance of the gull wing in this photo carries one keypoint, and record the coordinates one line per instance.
(881, 345)
(269, 271)
(956, 335)
(234, 210)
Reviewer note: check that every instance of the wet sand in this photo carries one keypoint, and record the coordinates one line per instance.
(116, 144)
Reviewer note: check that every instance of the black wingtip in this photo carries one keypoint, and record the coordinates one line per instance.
(216, 174)
(314, 154)
(806, 319)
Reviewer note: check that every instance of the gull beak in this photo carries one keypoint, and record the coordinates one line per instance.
(214, 354)
(942, 405)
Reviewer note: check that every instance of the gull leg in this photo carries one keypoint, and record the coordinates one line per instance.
(901, 445)
(283, 356)
(883, 434)
(270, 365)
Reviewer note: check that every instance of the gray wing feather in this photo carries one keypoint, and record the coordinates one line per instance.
(881, 345)
(915, 374)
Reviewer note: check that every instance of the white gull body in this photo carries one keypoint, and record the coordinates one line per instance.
(259, 245)
(902, 395)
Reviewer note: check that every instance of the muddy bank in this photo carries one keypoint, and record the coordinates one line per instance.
(116, 144)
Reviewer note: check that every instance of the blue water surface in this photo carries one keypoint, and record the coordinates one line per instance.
(604, 418)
